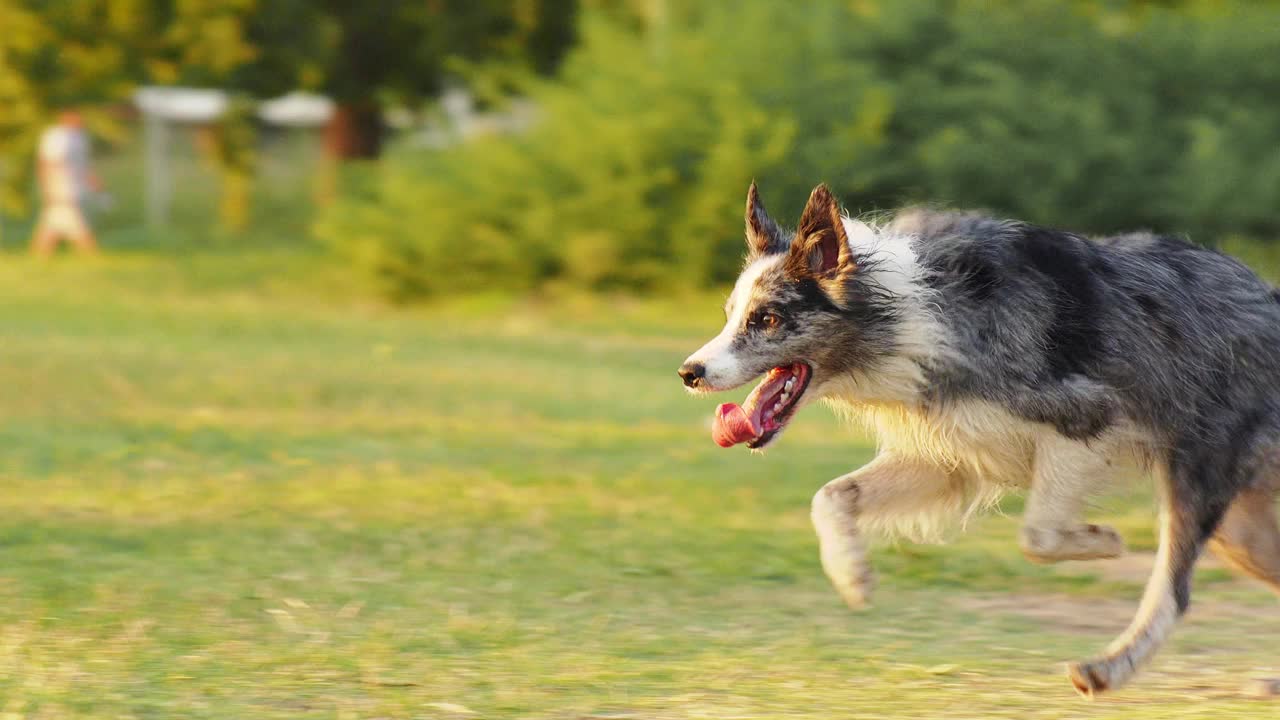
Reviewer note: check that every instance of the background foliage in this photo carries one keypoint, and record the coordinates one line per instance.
(1094, 116)
(92, 54)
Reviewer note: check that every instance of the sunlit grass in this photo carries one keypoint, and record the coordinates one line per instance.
(235, 499)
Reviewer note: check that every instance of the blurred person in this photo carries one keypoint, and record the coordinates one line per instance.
(66, 181)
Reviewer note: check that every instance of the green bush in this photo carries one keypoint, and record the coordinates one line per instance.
(634, 174)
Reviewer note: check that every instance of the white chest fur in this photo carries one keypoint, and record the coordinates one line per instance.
(978, 441)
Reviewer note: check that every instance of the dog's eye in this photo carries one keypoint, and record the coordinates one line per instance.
(768, 320)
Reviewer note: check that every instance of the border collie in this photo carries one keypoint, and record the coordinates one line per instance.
(990, 355)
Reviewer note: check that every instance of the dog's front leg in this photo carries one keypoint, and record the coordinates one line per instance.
(890, 484)
(1067, 472)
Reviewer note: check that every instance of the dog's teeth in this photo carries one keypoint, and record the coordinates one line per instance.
(790, 384)
(777, 406)
(783, 398)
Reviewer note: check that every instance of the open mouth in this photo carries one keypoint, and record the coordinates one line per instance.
(765, 411)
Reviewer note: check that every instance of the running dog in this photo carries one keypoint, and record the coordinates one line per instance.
(990, 354)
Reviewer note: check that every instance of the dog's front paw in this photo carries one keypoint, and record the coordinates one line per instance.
(1093, 677)
(850, 574)
(1087, 542)
(858, 595)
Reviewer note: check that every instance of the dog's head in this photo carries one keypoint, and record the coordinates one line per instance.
(807, 309)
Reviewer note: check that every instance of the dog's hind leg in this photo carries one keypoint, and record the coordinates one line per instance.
(1248, 538)
(1066, 473)
(890, 486)
(1190, 515)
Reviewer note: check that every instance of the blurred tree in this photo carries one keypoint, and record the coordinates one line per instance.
(369, 55)
(24, 111)
(1058, 113)
(91, 54)
(233, 148)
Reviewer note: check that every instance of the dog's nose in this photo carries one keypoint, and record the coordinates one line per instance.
(692, 373)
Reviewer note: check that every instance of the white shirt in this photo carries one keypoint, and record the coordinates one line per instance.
(65, 153)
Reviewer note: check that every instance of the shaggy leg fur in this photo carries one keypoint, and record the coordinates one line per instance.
(1066, 473)
(889, 485)
(1186, 524)
(1248, 538)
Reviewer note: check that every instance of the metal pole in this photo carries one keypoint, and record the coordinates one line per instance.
(158, 188)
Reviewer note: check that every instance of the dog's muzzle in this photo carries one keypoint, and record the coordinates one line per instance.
(693, 374)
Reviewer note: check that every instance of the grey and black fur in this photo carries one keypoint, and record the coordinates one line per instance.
(990, 354)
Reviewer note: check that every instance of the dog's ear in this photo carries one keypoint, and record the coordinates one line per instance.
(763, 234)
(821, 246)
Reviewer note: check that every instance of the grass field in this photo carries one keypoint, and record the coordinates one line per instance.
(226, 499)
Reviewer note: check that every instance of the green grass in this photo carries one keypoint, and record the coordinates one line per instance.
(223, 496)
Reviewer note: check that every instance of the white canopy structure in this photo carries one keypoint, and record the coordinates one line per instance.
(162, 107)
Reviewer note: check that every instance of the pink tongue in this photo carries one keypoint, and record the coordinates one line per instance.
(733, 426)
